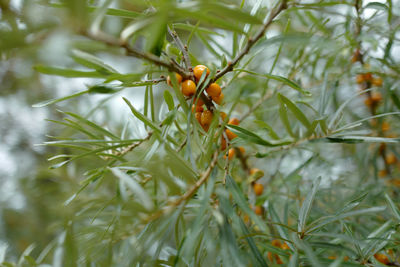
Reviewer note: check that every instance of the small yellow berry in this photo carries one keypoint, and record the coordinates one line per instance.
(198, 71)
(188, 88)
(390, 159)
(178, 79)
(382, 258)
(258, 189)
(230, 134)
(377, 81)
(213, 90)
(234, 121)
(218, 99)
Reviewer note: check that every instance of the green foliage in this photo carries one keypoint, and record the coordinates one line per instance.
(152, 186)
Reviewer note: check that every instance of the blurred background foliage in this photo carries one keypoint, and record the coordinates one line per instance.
(330, 187)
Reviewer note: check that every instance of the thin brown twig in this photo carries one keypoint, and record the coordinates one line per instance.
(251, 41)
(111, 41)
(182, 47)
(132, 146)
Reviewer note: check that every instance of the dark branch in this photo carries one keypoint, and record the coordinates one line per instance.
(181, 47)
(111, 41)
(251, 41)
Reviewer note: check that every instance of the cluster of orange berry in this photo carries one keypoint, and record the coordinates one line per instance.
(366, 80)
(273, 257)
(382, 258)
(189, 89)
(389, 158)
(258, 188)
(230, 135)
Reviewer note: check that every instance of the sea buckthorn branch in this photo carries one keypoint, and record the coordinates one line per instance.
(130, 51)
(366, 81)
(251, 41)
(183, 48)
(133, 146)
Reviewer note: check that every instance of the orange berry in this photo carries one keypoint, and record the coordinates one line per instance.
(356, 56)
(368, 102)
(382, 173)
(231, 154)
(188, 88)
(382, 148)
(390, 159)
(234, 121)
(382, 258)
(223, 143)
(258, 189)
(242, 150)
(198, 101)
(197, 108)
(332, 257)
(223, 115)
(278, 259)
(285, 246)
(270, 256)
(178, 79)
(385, 126)
(376, 97)
(377, 81)
(346, 258)
(205, 127)
(206, 118)
(258, 210)
(276, 243)
(396, 182)
(230, 134)
(360, 78)
(198, 71)
(368, 76)
(256, 170)
(198, 116)
(213, 90)
(218, 99)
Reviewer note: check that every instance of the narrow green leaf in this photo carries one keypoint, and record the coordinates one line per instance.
(253, 247)
(69, 73)
(141, 117)
(285, 120)
(357, 139)
(271, 131)
(102, 89)
(56, 100)
(295, 110)
(277, 78)
(377, 6)
(306, 206)
(169, 100)
(392, 207)
(254, 138)
(93, 125)
(242, 202)
(337, 217)
(92, 62)
(140, 194)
